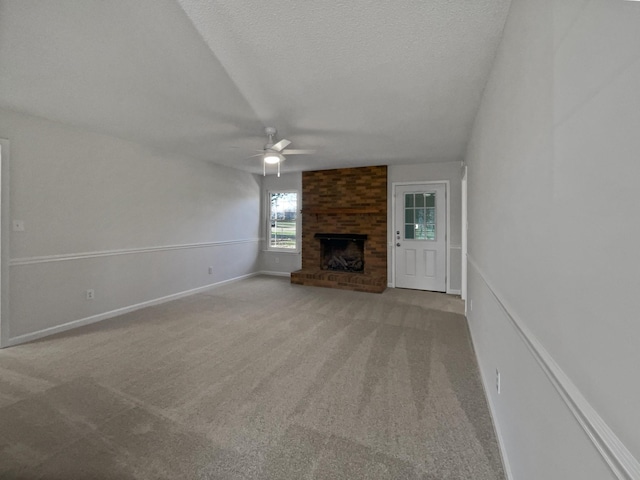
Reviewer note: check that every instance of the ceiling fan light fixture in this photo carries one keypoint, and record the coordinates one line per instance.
(272, 158)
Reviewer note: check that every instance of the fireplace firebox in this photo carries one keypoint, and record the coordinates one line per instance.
(343, 252)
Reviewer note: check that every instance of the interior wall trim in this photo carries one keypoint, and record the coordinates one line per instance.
(28, 337)
(15, 262)
(619, 459)
(274, 273)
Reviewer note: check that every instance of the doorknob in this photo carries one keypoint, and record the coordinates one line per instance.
(398, 244)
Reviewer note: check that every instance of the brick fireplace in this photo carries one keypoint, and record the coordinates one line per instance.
(349, 207)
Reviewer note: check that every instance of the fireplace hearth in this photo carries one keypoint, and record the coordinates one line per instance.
(342, 252)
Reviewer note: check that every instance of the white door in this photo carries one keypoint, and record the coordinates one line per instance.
(420, 237)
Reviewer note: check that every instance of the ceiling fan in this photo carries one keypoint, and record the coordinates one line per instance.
(274, 153)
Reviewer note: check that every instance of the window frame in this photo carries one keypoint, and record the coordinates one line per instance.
(267, 223)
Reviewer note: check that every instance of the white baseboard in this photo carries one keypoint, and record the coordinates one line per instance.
(275, 274)
(616, 455)
(448, 292)
(28, 337)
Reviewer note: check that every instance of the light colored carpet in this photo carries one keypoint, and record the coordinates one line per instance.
(258, 379)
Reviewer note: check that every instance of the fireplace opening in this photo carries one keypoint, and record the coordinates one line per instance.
(342, 252)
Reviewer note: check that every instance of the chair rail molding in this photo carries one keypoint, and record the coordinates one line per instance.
(14, 262)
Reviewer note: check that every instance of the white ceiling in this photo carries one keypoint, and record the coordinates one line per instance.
(362, 81)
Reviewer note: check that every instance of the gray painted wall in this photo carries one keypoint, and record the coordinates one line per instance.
(278, 262)
(423, 172)
(553, 227)
(87, 197)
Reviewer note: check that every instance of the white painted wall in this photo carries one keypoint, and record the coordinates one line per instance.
(553, 227)
(279, 262)
(79, 192)
(597, 147)
(429, 172)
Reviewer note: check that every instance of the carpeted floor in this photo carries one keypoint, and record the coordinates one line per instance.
(258, 379)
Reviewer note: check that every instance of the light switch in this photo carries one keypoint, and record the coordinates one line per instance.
(18, 225)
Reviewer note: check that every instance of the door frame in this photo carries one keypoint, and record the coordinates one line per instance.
(392, 243)
(4, 242)
(465, 228)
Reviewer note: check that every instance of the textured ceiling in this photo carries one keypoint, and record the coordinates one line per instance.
(363, 82)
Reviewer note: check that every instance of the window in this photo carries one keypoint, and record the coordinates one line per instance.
(420, 216)
(283, 221)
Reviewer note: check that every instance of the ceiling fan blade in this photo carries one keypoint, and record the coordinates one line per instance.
(257, 155)
(298, 152)
(281, 145)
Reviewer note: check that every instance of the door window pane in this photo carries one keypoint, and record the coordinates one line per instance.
(420, 216)
(431, 215)
(409, 232)
(408, 199)
(408, 215)
(429, 232)
(430, 199)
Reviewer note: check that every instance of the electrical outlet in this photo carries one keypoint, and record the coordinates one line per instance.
(277, 260)
(498, 385)
(91, 294)
(210, 270)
